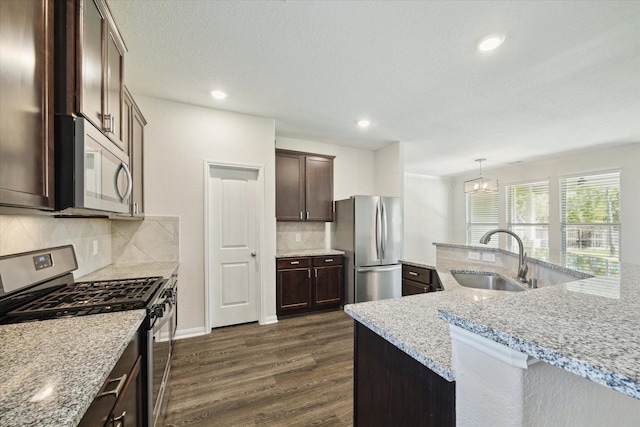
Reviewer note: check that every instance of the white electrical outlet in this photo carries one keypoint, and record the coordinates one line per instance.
(297, 237)
(488, 256)
(473, 255)
(95, 247)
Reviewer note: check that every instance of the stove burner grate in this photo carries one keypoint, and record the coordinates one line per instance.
(92, 298)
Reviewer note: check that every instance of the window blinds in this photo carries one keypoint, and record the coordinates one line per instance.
(590, 222)
(482, 216)
(528, 217)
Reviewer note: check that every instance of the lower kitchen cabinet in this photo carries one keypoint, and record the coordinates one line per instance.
(417, 280)
(119, 401)
(309, 283)
(391, 388)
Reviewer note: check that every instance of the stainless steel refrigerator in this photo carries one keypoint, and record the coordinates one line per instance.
(369, 230)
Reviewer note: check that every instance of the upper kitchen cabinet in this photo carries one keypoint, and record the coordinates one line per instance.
(133, 131)
(26, 104)
(90, 61)
(304, 186)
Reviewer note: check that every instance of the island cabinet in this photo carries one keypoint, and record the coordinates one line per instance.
(90, 66)
(304, 186)
(418, 280)
(307, 284)
(26, 105)
(393, 389)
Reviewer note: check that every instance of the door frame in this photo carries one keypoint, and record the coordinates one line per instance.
(260, 185)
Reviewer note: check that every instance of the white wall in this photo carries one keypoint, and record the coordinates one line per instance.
(625, 158)
(353, 168)
(178, 139)
(427, 215)
(389, 168)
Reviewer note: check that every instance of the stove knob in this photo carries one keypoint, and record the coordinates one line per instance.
(168, 293)
(158, 310)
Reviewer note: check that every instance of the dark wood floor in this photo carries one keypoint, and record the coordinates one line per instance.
(298, 372)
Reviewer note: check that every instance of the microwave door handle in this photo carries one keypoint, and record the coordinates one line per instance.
(124, 166)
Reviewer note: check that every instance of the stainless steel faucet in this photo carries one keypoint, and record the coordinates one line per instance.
(522, 255)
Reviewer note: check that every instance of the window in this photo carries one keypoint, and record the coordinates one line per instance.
(590, 222)
(482, 216)
(528, 217)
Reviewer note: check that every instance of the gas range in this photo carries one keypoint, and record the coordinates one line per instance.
(38, 285)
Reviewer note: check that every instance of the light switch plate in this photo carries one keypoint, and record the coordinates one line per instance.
(488, 256)
(474, 255)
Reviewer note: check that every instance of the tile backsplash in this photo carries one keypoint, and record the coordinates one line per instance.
(118, 241)
(312, 235)
(22, 233)
(154, 239)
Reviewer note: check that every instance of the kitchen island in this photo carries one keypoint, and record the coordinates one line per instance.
(569, 326)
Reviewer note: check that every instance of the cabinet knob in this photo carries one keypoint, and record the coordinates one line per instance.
(253, 254)
(328, 260)
(295, 262)
(413, 273)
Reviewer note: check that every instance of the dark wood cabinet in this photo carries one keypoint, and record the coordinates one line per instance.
(26, 104)
(393, 389)
(90, 66)
(309, 283)
(121, 393)
(417, 280)
(304, 186)
(133, 131)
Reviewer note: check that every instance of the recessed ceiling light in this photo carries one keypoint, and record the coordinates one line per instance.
(364, 123)
(490, 42)
(218, 94)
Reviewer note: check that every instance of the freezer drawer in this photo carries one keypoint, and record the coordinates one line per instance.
(375, 283)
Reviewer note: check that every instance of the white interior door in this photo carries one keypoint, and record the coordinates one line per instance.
(234, 239)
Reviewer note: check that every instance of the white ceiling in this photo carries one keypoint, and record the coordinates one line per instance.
(567, 76)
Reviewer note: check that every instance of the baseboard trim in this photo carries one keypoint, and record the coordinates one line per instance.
(190, 333)
(269, 320)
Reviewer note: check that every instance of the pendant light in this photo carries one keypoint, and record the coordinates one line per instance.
(480, 184)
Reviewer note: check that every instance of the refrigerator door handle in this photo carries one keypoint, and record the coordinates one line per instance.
(378, 231)
(384, 230)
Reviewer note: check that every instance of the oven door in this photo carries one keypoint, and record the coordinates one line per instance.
(159, 343)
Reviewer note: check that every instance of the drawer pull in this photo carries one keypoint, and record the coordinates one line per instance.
(116, 391)
(413, 273)
(119, 420)
(328, 260)
(295, 262)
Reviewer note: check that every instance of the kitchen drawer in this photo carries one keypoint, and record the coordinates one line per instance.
(319, 261)
(416, 274)
(284, 263)
(409, 287)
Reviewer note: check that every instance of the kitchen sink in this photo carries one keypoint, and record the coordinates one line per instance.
(490, 281)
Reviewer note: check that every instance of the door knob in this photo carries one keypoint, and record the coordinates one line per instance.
(253, 254)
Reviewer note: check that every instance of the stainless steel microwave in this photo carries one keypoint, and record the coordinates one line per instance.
(92, 173)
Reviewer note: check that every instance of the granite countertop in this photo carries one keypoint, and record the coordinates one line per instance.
(50, 374)
(589, 327)
(412, 324)
(307, 252)
(422, 263)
